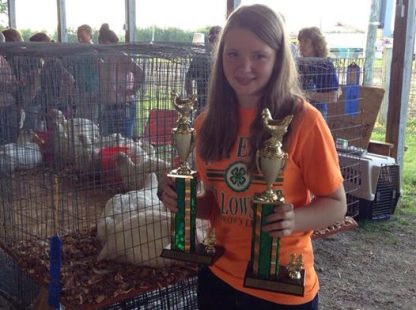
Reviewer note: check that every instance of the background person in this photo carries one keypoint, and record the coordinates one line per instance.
(253, 70)
(84, 69)
(32, 104)
(53, 95)
(120, 80)
(40, 37)
(12, 35)
(56, 83)
(84, 34)
(26, 71)
(8, 115)
(318, 76)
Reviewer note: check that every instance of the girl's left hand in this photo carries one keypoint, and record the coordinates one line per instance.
(282, 222)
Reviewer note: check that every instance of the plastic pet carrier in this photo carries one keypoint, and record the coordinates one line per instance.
(378, 184)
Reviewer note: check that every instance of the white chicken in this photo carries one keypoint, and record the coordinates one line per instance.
(121, 205)
(134, 228)
(77, 126)
(25, 154)
(134, 174)
(139, 239)
(75, 142)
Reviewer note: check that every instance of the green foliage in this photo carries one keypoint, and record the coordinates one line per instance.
(378, 64)
(409, 168)
(379, 133)
(3, 11)
(163, 35)
(3, 6)
(26, 34)
(143, 34)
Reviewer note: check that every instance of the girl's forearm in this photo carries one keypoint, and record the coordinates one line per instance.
(321, 212)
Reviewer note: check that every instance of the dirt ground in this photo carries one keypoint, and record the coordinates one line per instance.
(370, 267)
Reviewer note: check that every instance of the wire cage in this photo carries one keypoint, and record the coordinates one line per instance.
(82, 159)
(333, 86)
(18, 291)
(84, 147)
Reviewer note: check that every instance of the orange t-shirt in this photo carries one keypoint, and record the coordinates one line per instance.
(312, 167)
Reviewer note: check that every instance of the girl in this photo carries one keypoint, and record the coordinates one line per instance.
(253, 70)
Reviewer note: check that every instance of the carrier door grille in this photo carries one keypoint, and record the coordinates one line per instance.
(387, 191)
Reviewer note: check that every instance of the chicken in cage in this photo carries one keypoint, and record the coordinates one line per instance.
(84, 167)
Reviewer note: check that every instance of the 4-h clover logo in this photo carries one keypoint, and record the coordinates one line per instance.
(236, 177)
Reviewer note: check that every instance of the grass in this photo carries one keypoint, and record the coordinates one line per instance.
(408, 177)
(409, 168)
(374, 229)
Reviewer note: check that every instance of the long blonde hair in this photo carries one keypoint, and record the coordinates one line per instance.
(219, 130)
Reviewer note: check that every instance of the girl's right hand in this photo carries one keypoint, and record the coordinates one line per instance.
(169, 195)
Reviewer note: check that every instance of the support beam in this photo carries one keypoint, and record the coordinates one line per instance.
(371, 42)
(232, 5)
(400, 78)
(62, 31)
(11, 11)
(130, 25)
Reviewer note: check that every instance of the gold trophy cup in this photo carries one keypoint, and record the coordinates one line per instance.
(264, 270)
(183, 226)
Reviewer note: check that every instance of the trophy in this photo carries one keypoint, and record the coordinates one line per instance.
(264, 270)
(183, 223)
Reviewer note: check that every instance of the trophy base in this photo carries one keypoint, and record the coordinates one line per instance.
(199, 256)
(282, 284)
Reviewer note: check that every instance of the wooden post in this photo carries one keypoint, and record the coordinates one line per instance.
(400, 78)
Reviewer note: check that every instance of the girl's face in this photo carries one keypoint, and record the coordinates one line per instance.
(306, 48)
(248, 64)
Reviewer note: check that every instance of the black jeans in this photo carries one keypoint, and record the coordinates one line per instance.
(215, 294)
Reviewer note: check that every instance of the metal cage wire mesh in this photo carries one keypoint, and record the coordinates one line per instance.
(66, 171)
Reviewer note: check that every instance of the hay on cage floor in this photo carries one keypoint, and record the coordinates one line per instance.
(89, 283)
